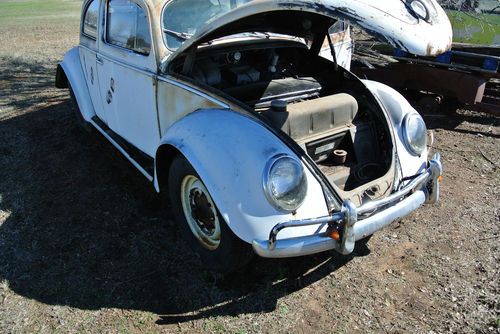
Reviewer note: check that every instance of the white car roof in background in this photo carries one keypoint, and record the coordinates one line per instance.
(390, 20)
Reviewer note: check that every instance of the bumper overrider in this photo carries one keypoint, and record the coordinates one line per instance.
(351, 223)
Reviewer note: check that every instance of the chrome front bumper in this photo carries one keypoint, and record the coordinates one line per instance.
(355, 223)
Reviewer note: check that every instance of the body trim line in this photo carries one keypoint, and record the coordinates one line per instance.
(122, 150)
(193, 90)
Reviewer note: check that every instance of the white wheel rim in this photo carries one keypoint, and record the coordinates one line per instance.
(200, 212)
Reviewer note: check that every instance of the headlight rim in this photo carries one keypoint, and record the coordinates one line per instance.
(424, 6)
(406, 135)
(266, 177)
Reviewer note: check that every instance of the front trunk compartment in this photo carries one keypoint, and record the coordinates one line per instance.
(325, 109)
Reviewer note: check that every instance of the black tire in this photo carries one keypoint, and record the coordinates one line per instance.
(231, 253)
(76, 110)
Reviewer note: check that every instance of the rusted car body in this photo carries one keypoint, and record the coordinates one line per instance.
(474, 73)
(263, 145)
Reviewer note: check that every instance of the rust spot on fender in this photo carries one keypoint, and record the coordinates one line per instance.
(433, 51)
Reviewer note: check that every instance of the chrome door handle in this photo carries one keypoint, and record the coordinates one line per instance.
(98, 60)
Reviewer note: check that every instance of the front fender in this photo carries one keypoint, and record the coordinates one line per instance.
(397, 107)
(75, 76)
(229, 152)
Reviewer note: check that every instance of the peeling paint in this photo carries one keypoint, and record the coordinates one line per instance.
(389, 20)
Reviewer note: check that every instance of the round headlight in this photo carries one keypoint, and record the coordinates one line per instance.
(285, 183)
(415, 133)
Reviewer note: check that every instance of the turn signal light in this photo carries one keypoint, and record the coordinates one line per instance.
(440, 178)
(334, 234)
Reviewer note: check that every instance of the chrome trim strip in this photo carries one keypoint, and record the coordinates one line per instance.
(295, 246)
(85, 8)
(160, 78)
(142, 70)
(368, 226)
(122, 151)
(437, 169)
(104, 39)
(425, 189)
(349, 235)
(373, 206)
(317, 243)
(306, 222)
(193, 90)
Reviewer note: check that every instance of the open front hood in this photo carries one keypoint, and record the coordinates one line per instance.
(420, 27)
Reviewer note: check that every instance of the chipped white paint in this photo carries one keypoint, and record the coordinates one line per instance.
(232, 170)
(231, 165)
(388, 19)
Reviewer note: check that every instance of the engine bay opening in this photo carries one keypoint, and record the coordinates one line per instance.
(323, 108)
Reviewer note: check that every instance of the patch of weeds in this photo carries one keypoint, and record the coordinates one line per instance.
(241, 331)
(495, 323)
(213, 326)
(4, 285)
(145, 320)
(284, 309)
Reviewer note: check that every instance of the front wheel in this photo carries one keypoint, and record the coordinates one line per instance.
(201, 223)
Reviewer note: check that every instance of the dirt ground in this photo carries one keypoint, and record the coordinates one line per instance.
(87, 246)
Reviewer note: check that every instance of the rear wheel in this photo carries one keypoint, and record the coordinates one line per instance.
(201, 223)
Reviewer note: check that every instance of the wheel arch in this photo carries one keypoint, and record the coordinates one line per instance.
(397, 107)
(61, 78)
(70, 73)
(229, 152)
(165, 155)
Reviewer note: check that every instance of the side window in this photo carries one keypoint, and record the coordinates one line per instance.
(128, 26)
(90, 19)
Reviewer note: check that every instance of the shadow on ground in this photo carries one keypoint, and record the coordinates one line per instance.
(25, 84)
(82, 228)
(448, 117)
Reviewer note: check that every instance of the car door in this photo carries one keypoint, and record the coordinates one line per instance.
(88, 53)
(126, 70)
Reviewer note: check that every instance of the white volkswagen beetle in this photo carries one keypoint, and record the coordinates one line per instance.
(263, 145)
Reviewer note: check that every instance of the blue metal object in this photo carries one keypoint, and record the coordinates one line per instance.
(400, 53)
(445, 58)
(490, 64)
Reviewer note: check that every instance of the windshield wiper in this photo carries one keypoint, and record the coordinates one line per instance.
(181, 35)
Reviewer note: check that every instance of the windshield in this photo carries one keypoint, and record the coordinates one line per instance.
(182, 18)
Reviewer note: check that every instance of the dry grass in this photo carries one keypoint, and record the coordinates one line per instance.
(86, 245)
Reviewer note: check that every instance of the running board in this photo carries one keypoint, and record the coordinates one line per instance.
(141, 161)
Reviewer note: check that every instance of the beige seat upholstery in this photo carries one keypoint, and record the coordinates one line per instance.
(312, 117)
